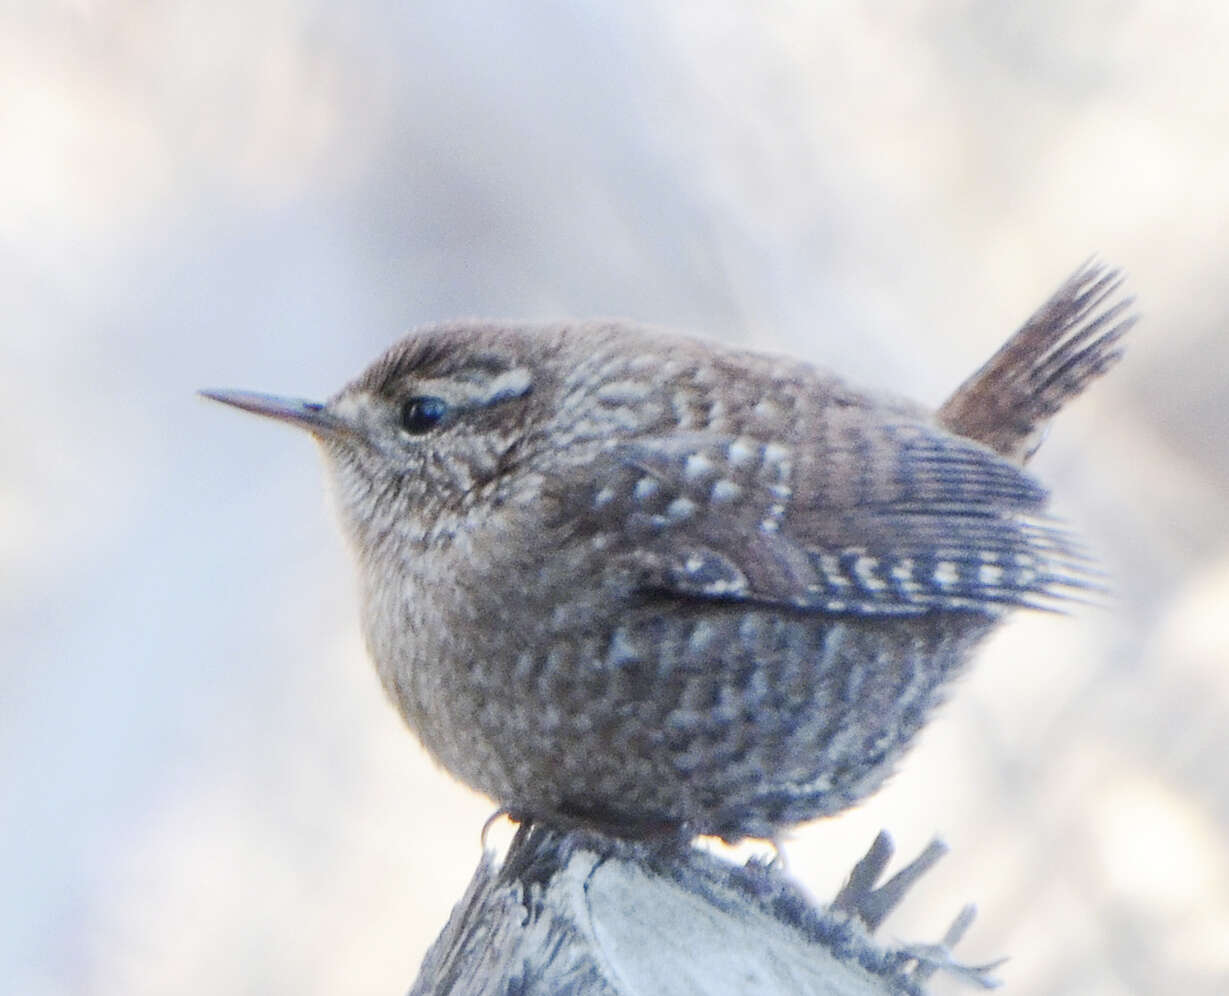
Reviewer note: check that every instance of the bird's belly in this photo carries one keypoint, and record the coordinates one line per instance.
(734, 721)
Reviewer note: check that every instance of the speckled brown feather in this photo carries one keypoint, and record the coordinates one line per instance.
(645, 581)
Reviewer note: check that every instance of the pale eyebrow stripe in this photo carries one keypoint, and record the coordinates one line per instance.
(512, 383)
(479, 392)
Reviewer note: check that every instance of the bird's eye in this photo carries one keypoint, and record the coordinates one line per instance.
(419, 415)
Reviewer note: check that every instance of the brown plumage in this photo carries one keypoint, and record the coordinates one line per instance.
(642, 581)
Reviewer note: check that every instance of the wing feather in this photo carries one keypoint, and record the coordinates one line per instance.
(881, 516)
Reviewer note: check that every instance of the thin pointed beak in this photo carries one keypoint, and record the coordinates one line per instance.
(309, 415)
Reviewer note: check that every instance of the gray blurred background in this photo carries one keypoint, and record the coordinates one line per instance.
(201, 786)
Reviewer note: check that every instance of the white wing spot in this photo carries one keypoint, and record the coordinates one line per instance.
(739, 452)
(696, 466)
(945, 573)
(775, 453)
(645, 488)
(902, 574)
(680, 508)
(724, 490)
(864, 568)
(990, 576)
(833, 574)
(604, 497)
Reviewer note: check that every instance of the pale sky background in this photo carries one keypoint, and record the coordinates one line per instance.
(202, 789)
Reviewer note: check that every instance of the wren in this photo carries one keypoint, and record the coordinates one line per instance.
(620, 577)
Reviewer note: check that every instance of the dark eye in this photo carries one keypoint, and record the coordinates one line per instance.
(419, 415)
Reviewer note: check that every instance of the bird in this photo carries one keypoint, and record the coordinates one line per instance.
(645, 583)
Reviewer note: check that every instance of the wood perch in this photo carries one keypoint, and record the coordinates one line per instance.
(574, 912)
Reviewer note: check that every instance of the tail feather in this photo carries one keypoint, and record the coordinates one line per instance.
(1069, 342)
